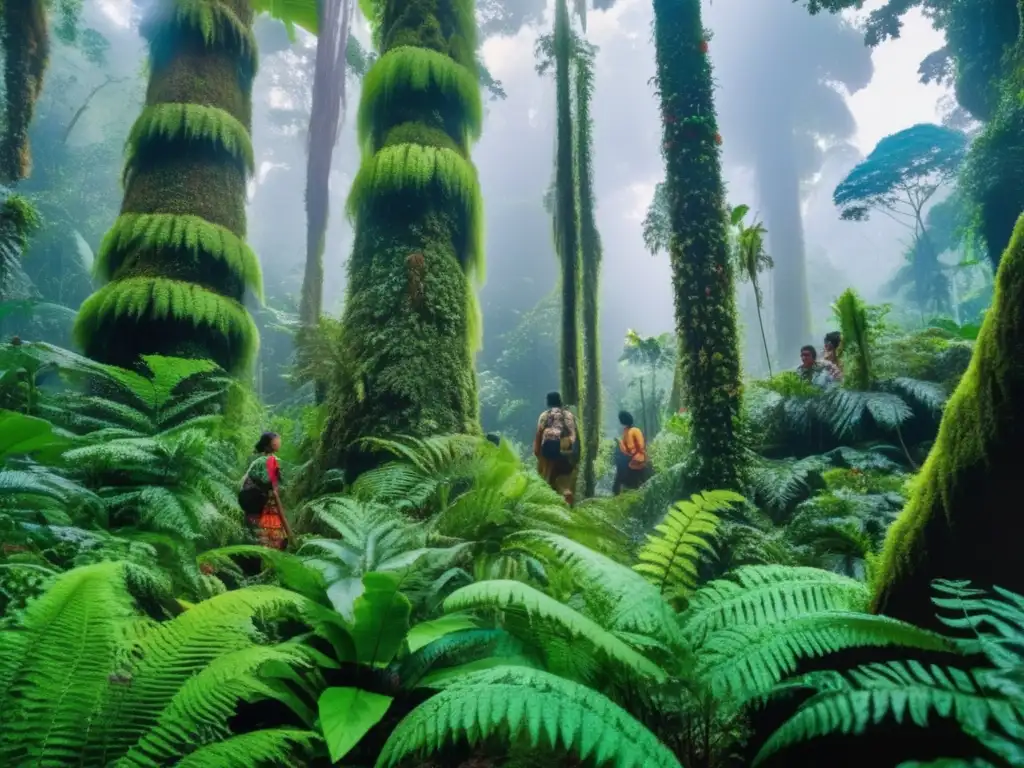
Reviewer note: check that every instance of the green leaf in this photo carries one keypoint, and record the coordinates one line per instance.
(428, 631)
(738, 214)
(381, 618)
(21, 434)
(347, 714)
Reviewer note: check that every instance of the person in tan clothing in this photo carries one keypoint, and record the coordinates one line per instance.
(556, 447)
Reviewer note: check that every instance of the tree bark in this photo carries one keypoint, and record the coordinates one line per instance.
(702, 272)
(25, 41)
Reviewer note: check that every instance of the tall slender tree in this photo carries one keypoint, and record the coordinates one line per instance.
(25, 41)
(590, 258)
(176, 258)
(702, 272)
(410, 319)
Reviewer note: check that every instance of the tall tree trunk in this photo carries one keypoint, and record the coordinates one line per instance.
(779, 196)
(702, 272)
(176, 257)
(25, 41)
(334, 19)
(958, 523)
(566, 214)
(590, 251)
(410, 318)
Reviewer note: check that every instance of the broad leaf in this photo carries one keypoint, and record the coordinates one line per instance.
(428, 631)
(381, 618)
(346, 715)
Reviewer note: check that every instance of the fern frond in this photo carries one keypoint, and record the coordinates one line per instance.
(781, 483)
(670, 559)
(761, 595)
(875, 693)
(453, 649)
(503, 594)
(746, 662)
(271, 748)
(928, 394)
(846, 409)
(217, 24)
(545, 710)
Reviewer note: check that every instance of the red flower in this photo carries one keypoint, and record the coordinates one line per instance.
(207, 569)
(718, 139)
(703, 46)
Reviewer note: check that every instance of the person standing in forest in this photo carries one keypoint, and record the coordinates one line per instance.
(260, 497)
(630, 456)
(556, 446)
(831, 351)
(820, 373)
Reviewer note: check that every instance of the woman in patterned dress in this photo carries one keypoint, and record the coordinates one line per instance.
(260, 498)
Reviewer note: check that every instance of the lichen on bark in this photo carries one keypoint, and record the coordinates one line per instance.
(176, 259)
(25, 42)
(962, 520)
(410, 321)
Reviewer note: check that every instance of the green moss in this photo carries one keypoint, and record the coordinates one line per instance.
(431, 174)
(405, 71)
(417, 133)
(962, 520)
(176, 256)
(174, 302)
(162, 125)
(154, 232)
(25, 42)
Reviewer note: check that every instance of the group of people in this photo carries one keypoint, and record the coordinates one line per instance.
(557, 448)
(824, 371)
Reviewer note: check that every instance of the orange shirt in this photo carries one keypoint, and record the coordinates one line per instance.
(632, 444)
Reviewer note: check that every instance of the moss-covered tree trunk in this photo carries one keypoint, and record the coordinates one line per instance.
(25, 41)
(410, 319)
(566, 211)
(590, 257)
(963, 519)
(702, 272)
(176, 258)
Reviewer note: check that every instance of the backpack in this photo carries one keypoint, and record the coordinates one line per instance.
(254, 494)
(558, 438)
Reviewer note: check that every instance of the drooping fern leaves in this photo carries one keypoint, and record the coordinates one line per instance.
(270, 748)
(747, 661)
(502, 594)
(670, 559)
(522, 704)
(762, 595)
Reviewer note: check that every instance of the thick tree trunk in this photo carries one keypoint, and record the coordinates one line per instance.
(962, 521)
(176, 257)
(410, 318)
(779, 197)
(702, 272)
(25, 41)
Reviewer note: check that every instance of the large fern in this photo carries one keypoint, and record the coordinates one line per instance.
(533, 706)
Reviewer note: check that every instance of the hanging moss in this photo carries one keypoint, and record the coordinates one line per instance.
(702, 272)
(134, 301)
(451, 88)
(427, 172)
(177, 257)
(164, 124)
(963, 520)
(411, 320)
(134, 232)
(25, 41)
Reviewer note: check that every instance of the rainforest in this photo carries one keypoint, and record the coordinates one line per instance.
(511, 383)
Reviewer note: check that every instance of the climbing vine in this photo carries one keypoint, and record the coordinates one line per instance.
(176, 259)
(411, 319)
(702, 272)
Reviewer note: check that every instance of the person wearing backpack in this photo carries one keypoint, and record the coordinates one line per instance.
(556, 447)
(631, 467)
(260, 498)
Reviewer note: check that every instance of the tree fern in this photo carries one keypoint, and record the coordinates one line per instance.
(268, 748)
(670, 560)
(517, 703)
(504, 594)
(763, 595)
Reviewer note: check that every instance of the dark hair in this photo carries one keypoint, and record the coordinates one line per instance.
(834, 338)
(554, 400)
(809, 348)
(626, 418)
(265, 441)
(493, 438)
